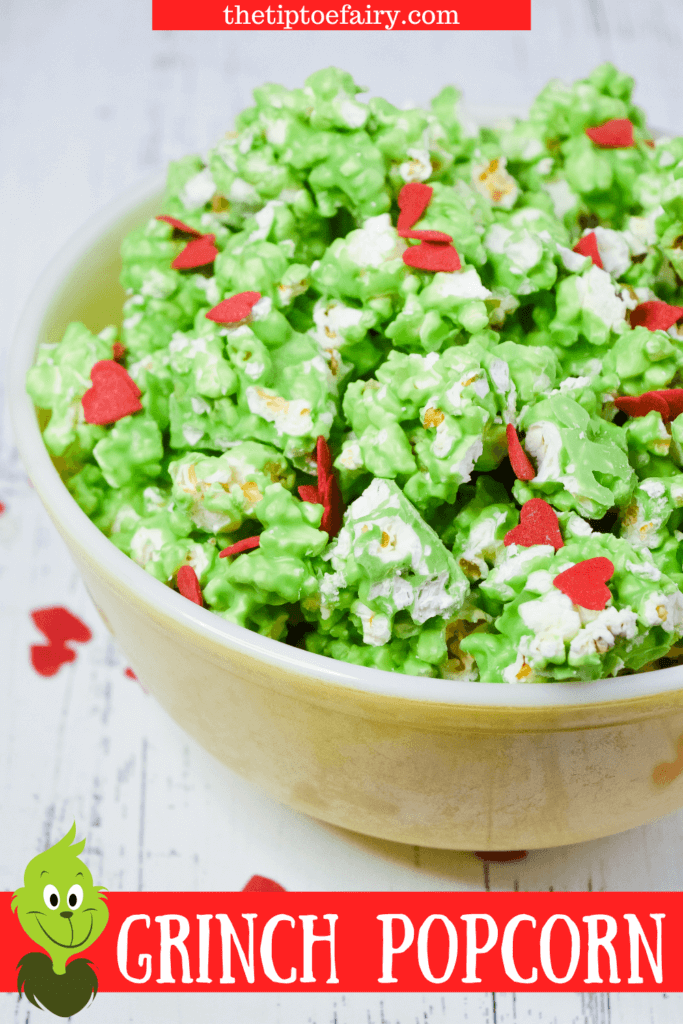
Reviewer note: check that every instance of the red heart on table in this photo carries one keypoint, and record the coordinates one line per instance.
(197, 253)
(58, 625)
(588, 246)
(584, 583)
(413, 200)
(641, 405)
(655, 315)
(234, 309)
(113, 395)
(519, 459)
(259, 883)
(188, 584)
(538, 525)
(433, 256)
(179, 226)
(614, 134)
(427, 236)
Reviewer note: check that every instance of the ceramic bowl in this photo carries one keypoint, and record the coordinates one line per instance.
(423, 761)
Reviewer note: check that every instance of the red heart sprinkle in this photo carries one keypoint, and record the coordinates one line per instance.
(58, 625)
(47, 659)
(130, 674)
(196, 253)
(434, 256)
(614, 134)
(641, 405)
(413, 200)
(248, 544)
(179, 226)
(538, 525)
(118, 351)
(519, 459)
(588, 246)
(188, 584)
(427, 236)
(234, 309)
(584, 583)
(259, 883)
(113, 395)
(3, 507)
(655, 315)
(674, 400)
(309, 492)
(327, 492)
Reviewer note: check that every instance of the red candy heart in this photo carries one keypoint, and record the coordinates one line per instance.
(614, 134)
(197, 253)
(3, 507)
(655, 315)
(674, 399)
(188, 585)
(427, 236)
(413, 200)
(129, 674)
(179, 226)
(113, 395)
(641, 405)
(248, 544)
(58, 625)
(519, 459)
(432, 256)
(259, 883)
(234, 309)
(584, 583)
(327, 492)
(538, 525)
(588, 246)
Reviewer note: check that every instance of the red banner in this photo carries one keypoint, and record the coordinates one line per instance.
(292, 15)
(373, 942)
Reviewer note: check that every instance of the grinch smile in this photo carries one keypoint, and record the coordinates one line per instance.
(66, 945)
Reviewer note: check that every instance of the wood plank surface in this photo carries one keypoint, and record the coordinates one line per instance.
(91, 100)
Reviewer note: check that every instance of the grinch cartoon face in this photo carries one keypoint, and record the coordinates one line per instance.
(58, 906)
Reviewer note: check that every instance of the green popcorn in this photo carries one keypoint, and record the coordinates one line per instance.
(391, 572)
(459, 297)
(292, 538)
(647, 520)
(365, 265)
(606, 178)
(146, 249)
(258, 266)
(332, 93)
(352, 176)
(201, 361)
(581, 463)
(646, 436)
(562, 110)
(641, 360)
(219, 493)
(394, 656)
(522, 261)
(160, 544)
(589, 306)
(480, 529)
(541, 636)
(58, 381)
(132, 449)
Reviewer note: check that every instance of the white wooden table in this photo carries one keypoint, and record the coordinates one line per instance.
(91, 100)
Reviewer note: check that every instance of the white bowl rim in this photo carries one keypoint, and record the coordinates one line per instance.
(209, 624)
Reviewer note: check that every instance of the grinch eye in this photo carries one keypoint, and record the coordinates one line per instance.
(51, 897)
(74, 897)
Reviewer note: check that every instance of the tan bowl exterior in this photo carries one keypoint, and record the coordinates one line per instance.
(428, 762)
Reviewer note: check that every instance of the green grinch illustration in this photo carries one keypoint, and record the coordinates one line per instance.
(61, 910)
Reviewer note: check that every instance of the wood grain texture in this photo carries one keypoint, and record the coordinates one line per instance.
(92, 100)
